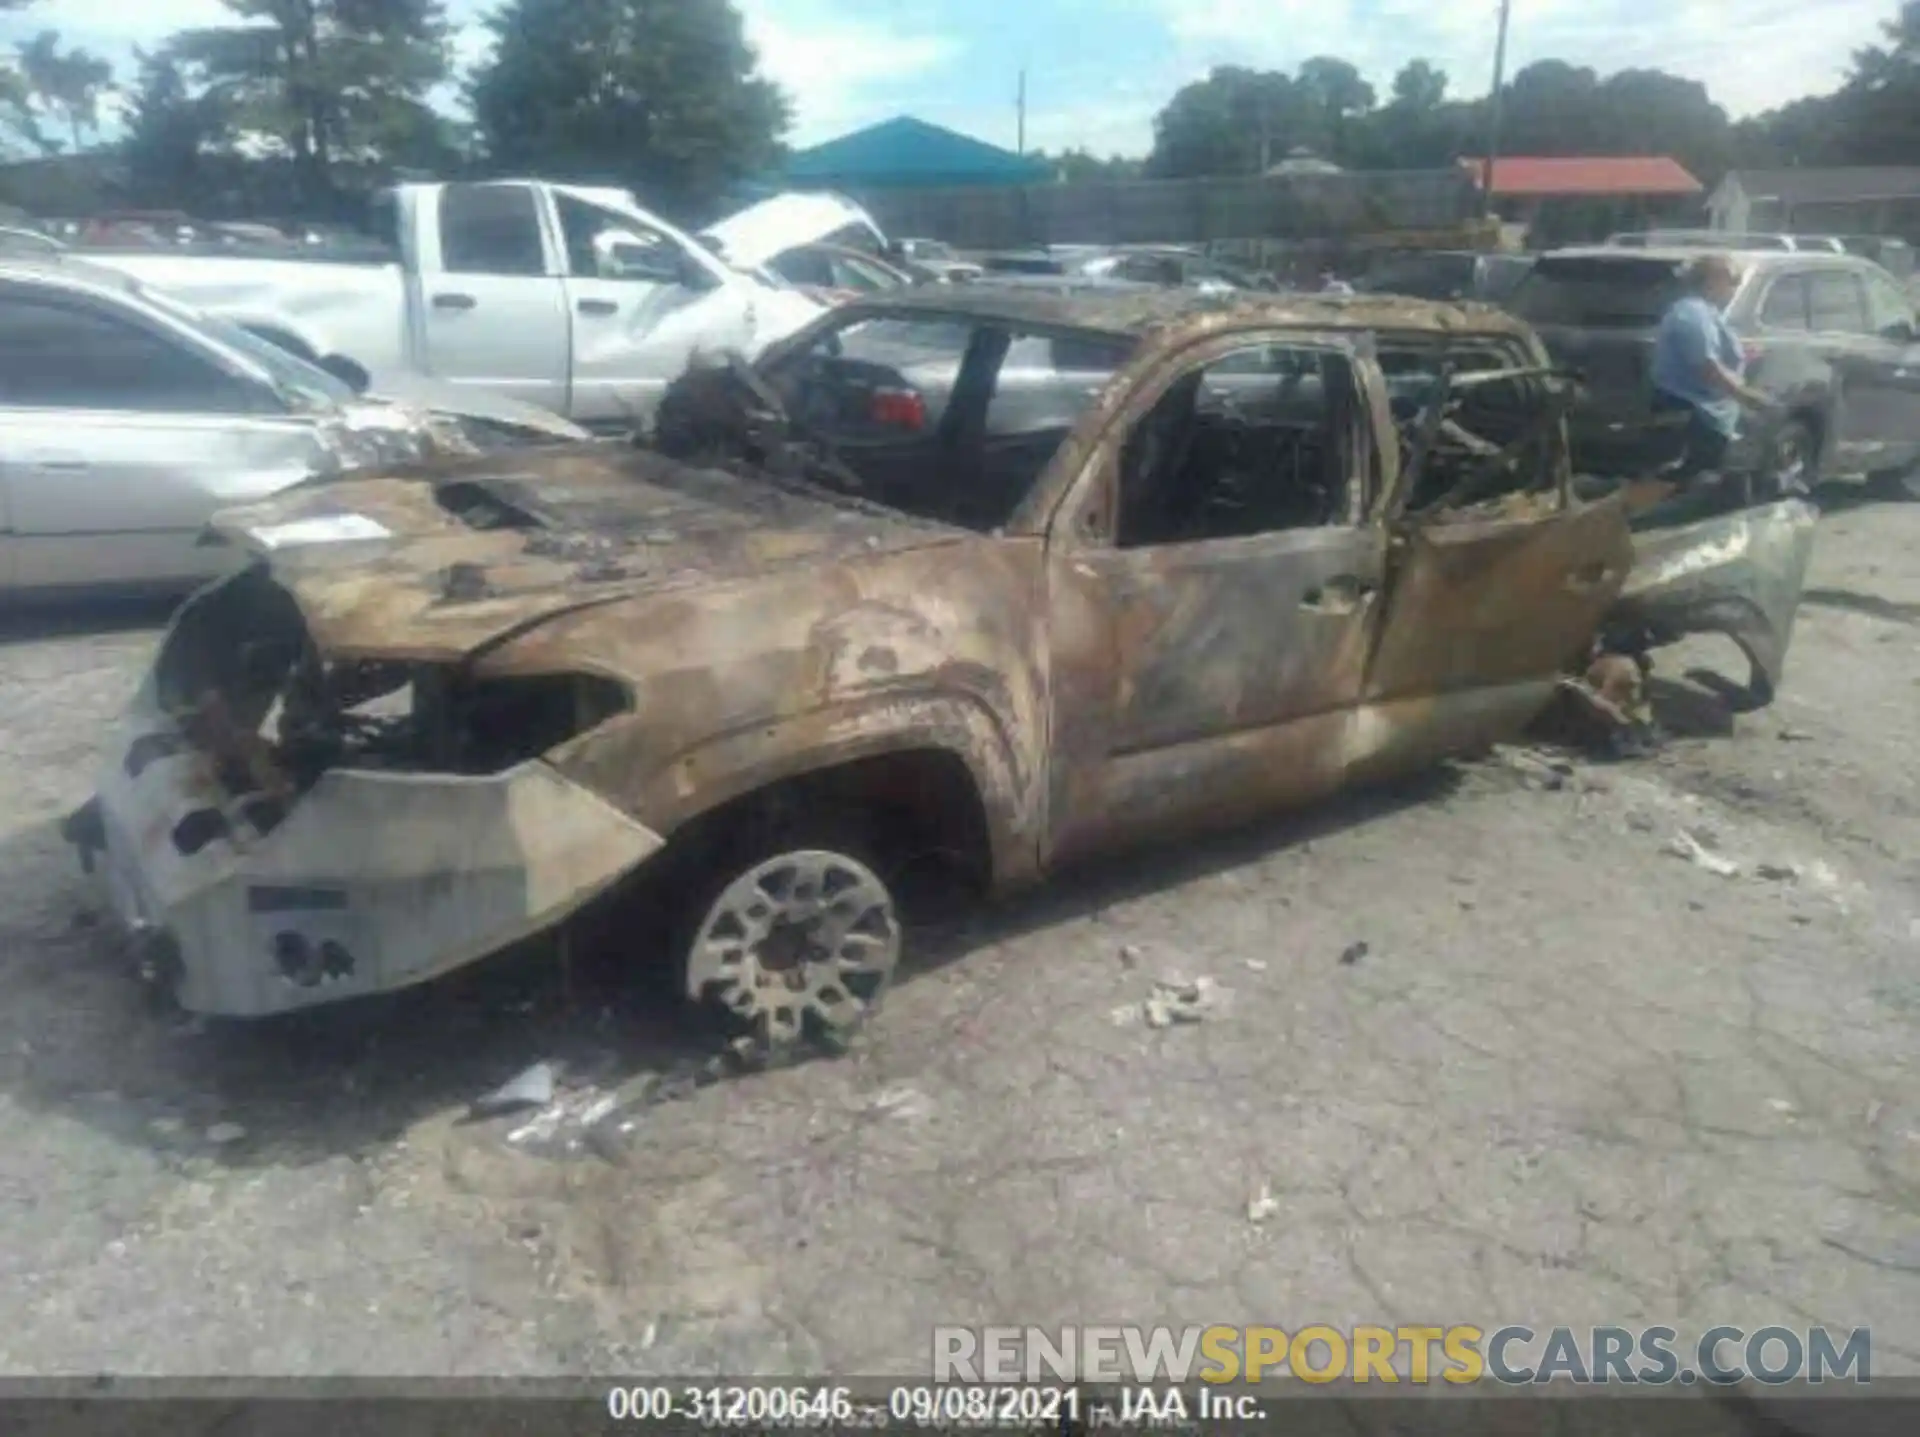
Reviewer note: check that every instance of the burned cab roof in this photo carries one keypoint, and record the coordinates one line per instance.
(1134, 312)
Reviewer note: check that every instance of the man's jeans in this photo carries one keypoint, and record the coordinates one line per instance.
(1703, 488)
(1706, 443)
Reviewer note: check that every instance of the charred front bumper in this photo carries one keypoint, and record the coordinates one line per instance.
(250, 890)
(1738, 574)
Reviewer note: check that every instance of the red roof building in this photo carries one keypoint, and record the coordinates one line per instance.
(1527, 177)
(1566, 199)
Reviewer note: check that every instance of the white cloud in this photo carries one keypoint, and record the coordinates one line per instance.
(828, 62)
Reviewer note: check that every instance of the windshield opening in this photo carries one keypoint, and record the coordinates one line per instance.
(939, 416)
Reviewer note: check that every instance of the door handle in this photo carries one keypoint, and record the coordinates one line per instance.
(454, 301)
(1340, 595)
(597, 306)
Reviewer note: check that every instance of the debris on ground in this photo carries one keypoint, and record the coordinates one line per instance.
(223, 1135)
(532, 1087)
(901, 1101)
(1256, 965)
(1172, 1001)
(1539, 770)
(1353, 953)
(1790, 734)
(1262, 1205)
(1777, 872)
(1130, 955)
(1684, 845)
(1606, 709)
(562, 1123)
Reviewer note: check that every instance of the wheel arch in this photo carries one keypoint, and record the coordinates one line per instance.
(976, 777)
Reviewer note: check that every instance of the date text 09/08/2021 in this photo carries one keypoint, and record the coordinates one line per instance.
(801, 1406)
(930, 1406)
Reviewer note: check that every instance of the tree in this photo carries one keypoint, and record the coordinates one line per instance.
(1877, 111)
(1080, 165)
(1418, 128)
(171, 131)
(324, 79)
(662, 95)
(1419, 88)
(1234, 122)
(67, 83)
(1339, 97)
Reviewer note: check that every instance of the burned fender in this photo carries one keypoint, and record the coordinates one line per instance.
(725, 767)
(1738, 574)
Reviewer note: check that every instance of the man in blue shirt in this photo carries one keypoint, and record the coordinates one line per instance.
(1698, 366)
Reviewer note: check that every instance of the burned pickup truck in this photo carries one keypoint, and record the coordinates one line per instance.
(1000, 580)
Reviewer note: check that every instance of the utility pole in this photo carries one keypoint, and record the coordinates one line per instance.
(1493, 105)
(1020, 114)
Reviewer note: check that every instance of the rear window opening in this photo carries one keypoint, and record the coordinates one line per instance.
(1499, 436)
(1598, 292)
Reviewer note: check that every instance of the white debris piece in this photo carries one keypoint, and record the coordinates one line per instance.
(1684, 845)
(1262, 1205)
(1177, 1001)
(900, 1101)
(531, 1088)
(224, 1134)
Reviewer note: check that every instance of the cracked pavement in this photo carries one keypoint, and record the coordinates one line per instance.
(1573, 1078)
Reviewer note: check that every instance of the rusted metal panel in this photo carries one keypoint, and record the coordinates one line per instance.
(1485, 601)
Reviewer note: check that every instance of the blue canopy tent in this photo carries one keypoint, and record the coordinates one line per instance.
(905, 153)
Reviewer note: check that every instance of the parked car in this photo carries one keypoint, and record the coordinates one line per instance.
(834, 273)
(1895, 256)
(571, 298)
(1832, 336)
(1726, 240)
(974, 578)
(17, 241)
(937, 259)
(1171, 267)
(1445, 274)
(1164, 266)
(126, 419)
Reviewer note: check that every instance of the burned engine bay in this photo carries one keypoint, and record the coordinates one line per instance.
(247, 688)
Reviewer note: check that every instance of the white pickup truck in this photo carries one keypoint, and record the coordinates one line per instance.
(569, 297)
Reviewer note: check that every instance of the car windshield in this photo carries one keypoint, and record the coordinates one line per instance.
(1597, 292)
(304, 386)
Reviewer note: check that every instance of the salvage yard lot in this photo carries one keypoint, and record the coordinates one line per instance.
(1570, 1078)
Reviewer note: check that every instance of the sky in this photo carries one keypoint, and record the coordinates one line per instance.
(1098, 70)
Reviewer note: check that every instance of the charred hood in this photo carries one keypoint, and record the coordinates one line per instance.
(434, 563)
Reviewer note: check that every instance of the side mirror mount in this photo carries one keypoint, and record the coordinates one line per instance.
(1901, 331)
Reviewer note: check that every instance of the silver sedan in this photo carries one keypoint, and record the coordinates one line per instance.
(127, 419)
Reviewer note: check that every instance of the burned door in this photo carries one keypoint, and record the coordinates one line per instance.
(1497, 578)
(1213, 589)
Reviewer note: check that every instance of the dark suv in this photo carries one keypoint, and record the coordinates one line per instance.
(1833, 336)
